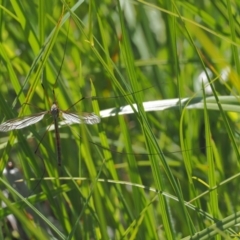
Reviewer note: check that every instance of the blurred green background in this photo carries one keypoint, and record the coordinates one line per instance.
(133, 174)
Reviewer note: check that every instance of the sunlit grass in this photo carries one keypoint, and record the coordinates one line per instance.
(165, 169)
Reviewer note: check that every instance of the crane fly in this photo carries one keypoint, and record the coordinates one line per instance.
(56, 113)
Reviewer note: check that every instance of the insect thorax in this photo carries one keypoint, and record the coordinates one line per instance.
(55, 111)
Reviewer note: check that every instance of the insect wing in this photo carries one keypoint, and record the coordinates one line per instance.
(87, 118)
(21, 122)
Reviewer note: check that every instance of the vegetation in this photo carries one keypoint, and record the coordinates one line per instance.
(168, 172)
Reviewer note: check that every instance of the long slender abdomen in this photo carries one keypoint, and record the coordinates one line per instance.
(57, 136)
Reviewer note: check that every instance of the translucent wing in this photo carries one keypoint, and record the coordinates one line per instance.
(87, 118)
(21, 122)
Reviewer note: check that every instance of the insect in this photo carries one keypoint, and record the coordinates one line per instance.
(56, 113)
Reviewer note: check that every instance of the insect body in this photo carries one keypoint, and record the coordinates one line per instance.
(22, 122)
